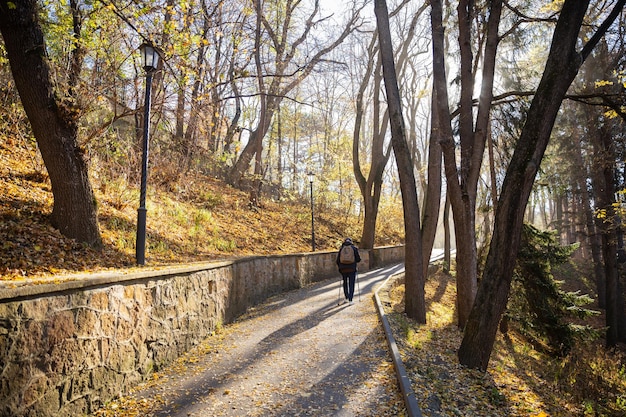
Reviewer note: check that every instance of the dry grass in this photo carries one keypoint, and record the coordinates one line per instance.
(520, 381)
(190, 219)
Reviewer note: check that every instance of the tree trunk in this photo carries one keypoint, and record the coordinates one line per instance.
(371, 204)
(432, 200)
(236, 173)
(414, 279)
(492, 172)
(463, 212)
(561, 68)
(567, 219)
(54, 122)
(447, 245)
(194, 102)
(465, 260)
(463, 183)
(598, 190)
(609, 225)
(592, 234)
(233, 127)
(371, 186)
(179, 130)
(279, 162)
(259, 172)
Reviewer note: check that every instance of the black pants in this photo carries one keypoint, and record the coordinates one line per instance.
(349, 279)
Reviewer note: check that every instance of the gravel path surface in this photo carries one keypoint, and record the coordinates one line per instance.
(298, 354)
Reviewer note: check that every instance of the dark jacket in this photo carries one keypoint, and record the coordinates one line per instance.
(346, 268)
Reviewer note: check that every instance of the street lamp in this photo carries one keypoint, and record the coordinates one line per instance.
(150, 59)
(311, 176)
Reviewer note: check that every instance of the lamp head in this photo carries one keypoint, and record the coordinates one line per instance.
(150, 56)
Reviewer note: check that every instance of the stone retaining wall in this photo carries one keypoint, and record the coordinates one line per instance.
(386, 255)
(68, 346)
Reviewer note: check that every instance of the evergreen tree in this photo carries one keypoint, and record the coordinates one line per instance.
(543, 310)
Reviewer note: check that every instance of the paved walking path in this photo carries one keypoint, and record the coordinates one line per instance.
(298, 354)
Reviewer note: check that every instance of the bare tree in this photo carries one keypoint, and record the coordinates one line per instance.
(285, 46)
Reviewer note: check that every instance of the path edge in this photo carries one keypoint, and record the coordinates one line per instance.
(408, 395)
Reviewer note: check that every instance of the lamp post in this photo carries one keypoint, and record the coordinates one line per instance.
(150, 59)
(311, 176)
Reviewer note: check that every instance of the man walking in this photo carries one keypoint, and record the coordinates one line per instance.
(347, 259)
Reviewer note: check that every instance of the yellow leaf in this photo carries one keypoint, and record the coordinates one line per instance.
(602, 83)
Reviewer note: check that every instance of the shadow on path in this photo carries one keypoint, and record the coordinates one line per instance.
(298, 353)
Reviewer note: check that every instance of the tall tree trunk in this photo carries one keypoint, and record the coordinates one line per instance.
(371, 186)
(447, 244)
(464, 205)
(279, 162)
(374, 183)
(233, 127)
(259, 172)
(592, 235)
(54, 122)
(295, 151)
(432, 200)
(236, 173)
(597, 179)
(194, 111)
(492, 172)
(562, 66)
(560, 222)
(414, 279)
(78, 52)
(179, 130)
(466, 245)
(463, 183)
(568, 219)
(609, 225)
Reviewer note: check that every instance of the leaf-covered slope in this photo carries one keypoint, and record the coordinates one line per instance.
(196, 219)
(520, 381)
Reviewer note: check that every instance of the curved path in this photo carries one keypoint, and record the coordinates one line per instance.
(298, 354)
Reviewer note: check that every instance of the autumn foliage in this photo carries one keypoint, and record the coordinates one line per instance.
(194, 218)
(522, 378)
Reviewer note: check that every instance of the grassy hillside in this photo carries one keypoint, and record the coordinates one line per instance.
(197, 219)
